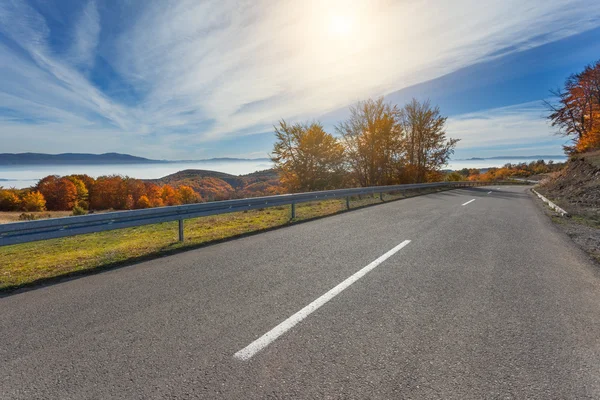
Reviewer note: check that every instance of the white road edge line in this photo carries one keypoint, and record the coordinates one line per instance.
(249, 351)
(470, 201)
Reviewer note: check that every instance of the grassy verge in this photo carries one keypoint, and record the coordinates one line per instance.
(29, 263)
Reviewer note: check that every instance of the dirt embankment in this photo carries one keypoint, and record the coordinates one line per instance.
(576, 188)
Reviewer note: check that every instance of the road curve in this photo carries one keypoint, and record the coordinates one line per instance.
(487, 300)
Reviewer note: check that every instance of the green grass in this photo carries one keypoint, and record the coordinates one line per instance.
(29, 263)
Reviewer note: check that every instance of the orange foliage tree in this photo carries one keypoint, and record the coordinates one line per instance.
(82, 191)
(169, 196)
(59, 193)
(143, 202)
(186, 195)
(107, 193)
(154, 192)
(577, 113)
(9, 200)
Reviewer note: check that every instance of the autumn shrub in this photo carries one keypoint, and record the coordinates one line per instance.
(9, 200)
(143, 202)
(169, 196)
(454, 177)
(186, 195)
(78, 210)
(33, 201)
(33, 217)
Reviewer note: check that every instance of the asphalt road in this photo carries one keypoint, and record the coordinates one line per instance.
(488, 300)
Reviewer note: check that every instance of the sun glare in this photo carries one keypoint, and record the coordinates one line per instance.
(341, 25)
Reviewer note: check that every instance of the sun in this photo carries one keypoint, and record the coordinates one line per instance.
(340, 25)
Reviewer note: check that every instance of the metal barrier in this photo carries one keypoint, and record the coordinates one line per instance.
(31, 231)
(529, 181)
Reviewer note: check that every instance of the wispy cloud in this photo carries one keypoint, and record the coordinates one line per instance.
(85, 37)
(514, 130)
(218, 69)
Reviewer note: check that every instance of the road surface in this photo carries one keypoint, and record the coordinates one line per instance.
(464, 294)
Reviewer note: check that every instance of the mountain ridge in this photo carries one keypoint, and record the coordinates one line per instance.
(104, 158)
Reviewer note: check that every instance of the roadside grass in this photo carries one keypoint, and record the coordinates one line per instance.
(592, 221)
(36, 262)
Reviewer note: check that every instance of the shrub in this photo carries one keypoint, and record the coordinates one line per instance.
(33, 217)
(143, 202)
(9, 201)
(187, 195)
(27, 217)
(33, 201)
(78, 210)
(454, 177)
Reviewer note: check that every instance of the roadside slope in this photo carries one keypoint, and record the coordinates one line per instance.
(577, 190)
(577, 186)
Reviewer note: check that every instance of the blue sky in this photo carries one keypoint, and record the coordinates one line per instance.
(201, 79)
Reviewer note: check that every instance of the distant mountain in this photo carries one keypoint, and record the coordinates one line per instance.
(222, 159)
(93, 159)
(71, 159)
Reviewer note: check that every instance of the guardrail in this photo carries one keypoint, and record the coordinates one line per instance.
(31, 231)
(526, 181)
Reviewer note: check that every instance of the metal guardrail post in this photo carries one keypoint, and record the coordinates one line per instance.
(347, 202)
(293, 210)
(181, 230)
(381, 196)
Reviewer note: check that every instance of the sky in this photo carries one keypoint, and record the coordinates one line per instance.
(201, 79)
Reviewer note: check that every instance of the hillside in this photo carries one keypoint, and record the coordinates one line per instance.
(577, 186)
(71, 159)
(213, 185)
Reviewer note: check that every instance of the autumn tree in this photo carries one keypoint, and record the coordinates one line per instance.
(426, 148)
(373, 140)
(153, 192)
(169, 196)
(108, 193)
(134, 188)
(9, 200)
(33, 201)
(186, 195)
(82, 191)
(48, 187)
(143, 202)
(59, 193)
(307, 157)
(129, 202)
(576, 112)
